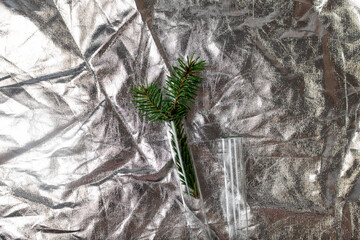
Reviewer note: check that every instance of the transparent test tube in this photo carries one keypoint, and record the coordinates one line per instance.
(197, 205)
(230, 150)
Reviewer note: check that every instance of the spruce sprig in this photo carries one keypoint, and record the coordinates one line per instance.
(180, 93)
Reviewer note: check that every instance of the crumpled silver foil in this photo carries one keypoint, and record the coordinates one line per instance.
(77, 161)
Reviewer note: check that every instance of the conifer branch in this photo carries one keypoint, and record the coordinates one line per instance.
(181, 92)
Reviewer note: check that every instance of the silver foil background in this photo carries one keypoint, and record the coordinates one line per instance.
(77, 161)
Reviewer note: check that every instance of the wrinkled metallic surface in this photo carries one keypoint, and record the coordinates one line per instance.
(77, 161)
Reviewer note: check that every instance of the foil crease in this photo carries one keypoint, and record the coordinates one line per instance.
(77, 161)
